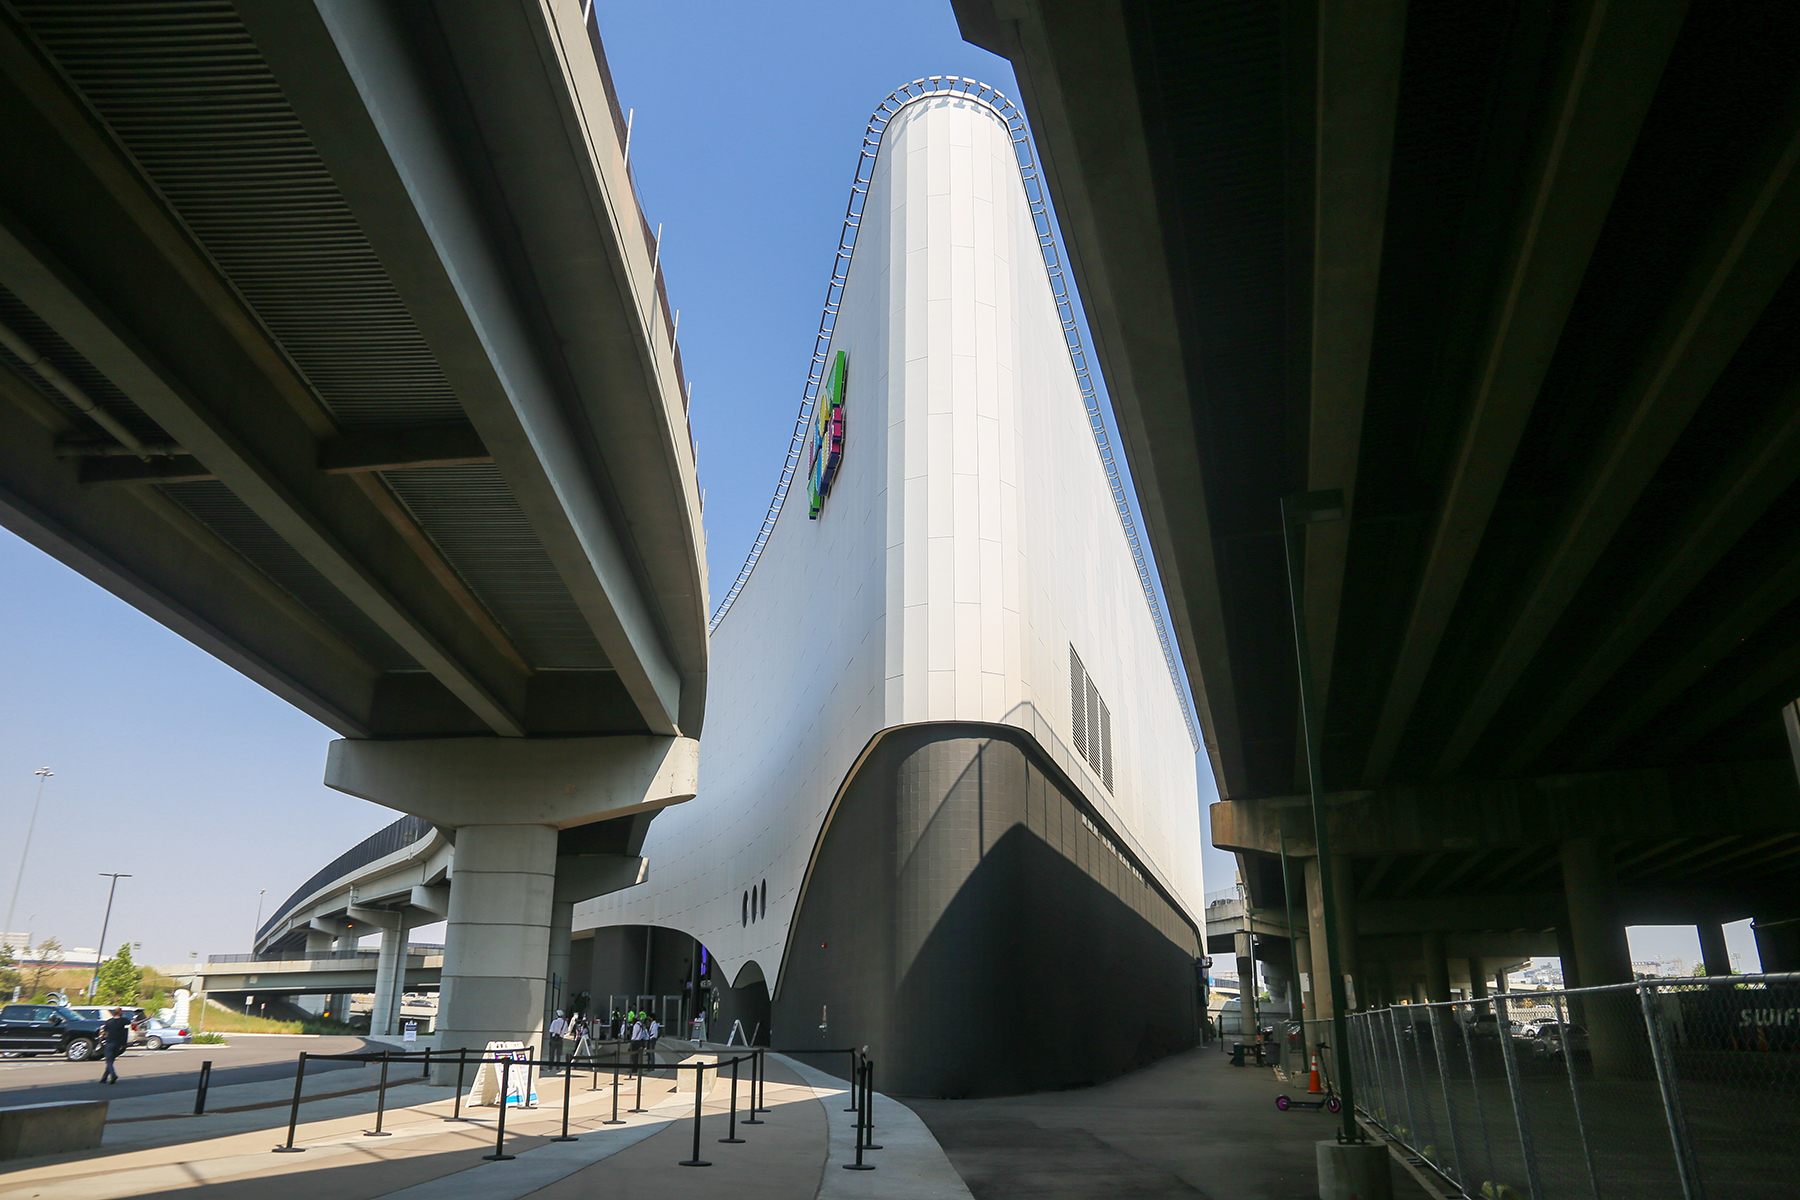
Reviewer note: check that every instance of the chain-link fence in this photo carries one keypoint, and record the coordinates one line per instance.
(1670, 1088)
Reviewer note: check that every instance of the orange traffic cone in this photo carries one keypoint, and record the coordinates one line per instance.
(1312, 1086)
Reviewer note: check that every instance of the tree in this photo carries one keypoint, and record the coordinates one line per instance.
(48, 958)
(119, 979)
(9, 975)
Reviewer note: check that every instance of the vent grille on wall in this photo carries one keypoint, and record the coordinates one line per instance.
(1090, 721)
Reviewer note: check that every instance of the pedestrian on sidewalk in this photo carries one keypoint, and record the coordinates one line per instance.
(114, 1033)
(559, 1029)
(652, 1032)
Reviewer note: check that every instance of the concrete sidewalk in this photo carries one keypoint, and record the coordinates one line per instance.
(1188, 1127)
(795, 1152)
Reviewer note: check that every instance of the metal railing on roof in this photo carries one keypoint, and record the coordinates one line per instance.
(413, 950)
(1009, 115)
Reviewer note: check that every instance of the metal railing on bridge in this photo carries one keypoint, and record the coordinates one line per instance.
(413, 950)
(1666, 1088)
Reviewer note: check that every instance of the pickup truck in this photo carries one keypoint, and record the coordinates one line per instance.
(47, 1029)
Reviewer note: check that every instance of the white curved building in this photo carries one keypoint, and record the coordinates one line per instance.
(947, 785)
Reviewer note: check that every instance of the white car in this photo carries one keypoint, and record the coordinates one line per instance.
(160, 1034)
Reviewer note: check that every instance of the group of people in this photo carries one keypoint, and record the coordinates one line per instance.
(641, 1029)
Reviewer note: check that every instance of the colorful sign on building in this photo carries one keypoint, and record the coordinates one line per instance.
(828, 434)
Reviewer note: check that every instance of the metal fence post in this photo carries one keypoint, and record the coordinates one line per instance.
(859, 1164)
(380, 1101)
(201, 1086)
(1502, 1023)
(1587, 1149)
(732, 1135)
(699, 1093)
(294, 1116)
(868, 1098)
(462, 1061)
(1441, 1021)
(1412, 1120)
(1673, 1114)
(1429, 1135)
(1487, 1136)
(756, 1074)
(568, 1074)
(854, 1076)
(499, 1154)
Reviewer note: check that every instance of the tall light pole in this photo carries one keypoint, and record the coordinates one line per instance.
(1296, 513)
(100, 950)
(43, 773)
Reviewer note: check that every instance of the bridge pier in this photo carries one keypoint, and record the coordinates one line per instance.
(518, 806)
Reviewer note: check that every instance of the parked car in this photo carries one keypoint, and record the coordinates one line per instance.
(1554, 1038)
(47, 1029)
(137, 1017)
(159, 1034)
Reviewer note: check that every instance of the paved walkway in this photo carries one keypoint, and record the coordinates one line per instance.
(1189, 1127)
(797, 1151)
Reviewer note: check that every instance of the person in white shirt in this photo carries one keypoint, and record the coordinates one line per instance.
(559, 1029)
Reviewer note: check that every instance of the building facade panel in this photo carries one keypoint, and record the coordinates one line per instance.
(968, 544)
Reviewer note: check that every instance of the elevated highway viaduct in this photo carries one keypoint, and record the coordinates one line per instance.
(1514, 286)
(332, 336)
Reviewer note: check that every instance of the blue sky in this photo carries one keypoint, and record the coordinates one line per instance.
(748, 120)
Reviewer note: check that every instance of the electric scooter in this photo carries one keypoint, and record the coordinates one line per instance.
(1330, 1101)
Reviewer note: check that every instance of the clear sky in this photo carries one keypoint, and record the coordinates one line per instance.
(174, 768)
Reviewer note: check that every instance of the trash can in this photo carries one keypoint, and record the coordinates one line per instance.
(1237, 1054)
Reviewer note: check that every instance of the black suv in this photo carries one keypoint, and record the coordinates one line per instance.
(47, 1029)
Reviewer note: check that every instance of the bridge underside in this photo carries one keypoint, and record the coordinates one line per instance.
(1519, 283)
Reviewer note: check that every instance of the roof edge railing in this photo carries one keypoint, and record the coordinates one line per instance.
(1036, 197)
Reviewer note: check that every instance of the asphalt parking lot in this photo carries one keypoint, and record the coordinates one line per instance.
(246, 1059)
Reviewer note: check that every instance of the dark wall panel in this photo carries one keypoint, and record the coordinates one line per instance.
(974, 927)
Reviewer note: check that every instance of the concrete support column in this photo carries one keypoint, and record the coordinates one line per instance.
(1565, 952)
(1603, 956)
(1713, 951)
(497, 938)
(556, 969)
(1778, 944)
(1244, 944)
(317, 941)
(1344, 897)
(1478, 988)
(390, 982)
(1437, 967)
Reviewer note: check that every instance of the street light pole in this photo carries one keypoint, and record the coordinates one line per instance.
(100, 950)
(43, 773)
(1297, 512)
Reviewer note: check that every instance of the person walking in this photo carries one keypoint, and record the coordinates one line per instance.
(652, 1032)
(115, 1031)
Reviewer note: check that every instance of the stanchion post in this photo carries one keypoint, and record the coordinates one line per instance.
(294, 1116)
(426, 1073)
(462, 1061)
(615, 1089)
(568, 1074)
(855, 1069)
(499, 1154)
(200, 1088)
(640, 1091)
(733, 1137)
(868, 1098)
(859, 1164)
(380, 1101)
(699, 1095)
(755, 1087)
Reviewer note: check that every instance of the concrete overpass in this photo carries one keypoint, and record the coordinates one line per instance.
(334, 339)
(1518, 280)
(392, 882)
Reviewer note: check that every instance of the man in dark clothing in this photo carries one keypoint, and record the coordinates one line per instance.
(114, 1033)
